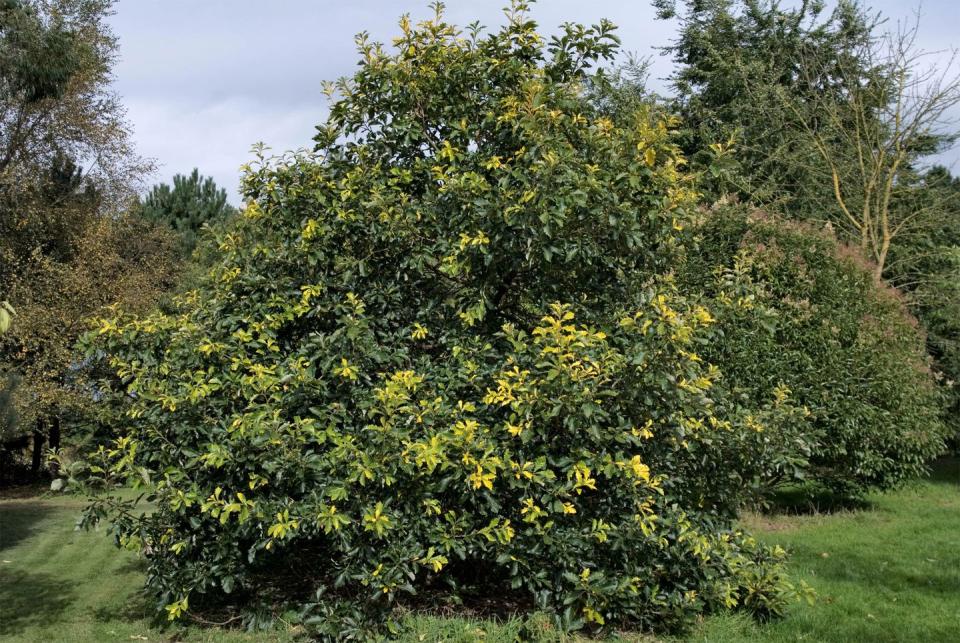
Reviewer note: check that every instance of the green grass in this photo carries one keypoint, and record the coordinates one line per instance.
(58, 584)
(887, 572)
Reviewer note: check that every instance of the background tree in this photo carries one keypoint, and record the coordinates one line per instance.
(742, 69)
(823, 117)
(805, 321)
(67, 168)
(115, 260)
(57, 110)
(831, 119)
(55, 96)
(870, 138)
(925, 263)
(191, 203)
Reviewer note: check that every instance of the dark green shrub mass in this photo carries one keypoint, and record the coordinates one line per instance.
(927, 262)
(437, 359)
(804, 321)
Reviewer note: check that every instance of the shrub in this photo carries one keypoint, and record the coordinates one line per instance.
(437, 358)
(804, 321)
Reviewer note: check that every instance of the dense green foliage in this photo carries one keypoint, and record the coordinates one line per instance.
(438, 356)
(926, 265)
(749, 74)
(803, 319)
(482, 341)
(193, 202)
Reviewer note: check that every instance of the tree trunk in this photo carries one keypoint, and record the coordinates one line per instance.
(55, 443)
(37, 448)
(882, 255)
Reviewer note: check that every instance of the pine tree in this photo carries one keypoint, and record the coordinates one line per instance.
(192, 201)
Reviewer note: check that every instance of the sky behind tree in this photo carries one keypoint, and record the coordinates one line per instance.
(204, 80)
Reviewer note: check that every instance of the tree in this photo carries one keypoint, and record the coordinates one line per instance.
(831, 119)
(106, 260)
(877, 131)
(925, 263)
(67, 168)
(742, 68)
(805, 321)
(826, 119)
(57, 110)
(441, 354)
(55, 94)
(193, 202)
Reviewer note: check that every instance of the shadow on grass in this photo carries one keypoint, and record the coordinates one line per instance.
(946, 471)
(941, 583)
(133, 565)
(20, 521)
(810, 500)
(135, 609)
(27, 491)
(28, 599)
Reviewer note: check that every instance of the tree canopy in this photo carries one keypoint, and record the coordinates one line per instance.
(67, 170)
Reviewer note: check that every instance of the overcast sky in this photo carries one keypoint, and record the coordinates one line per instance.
(203, 80)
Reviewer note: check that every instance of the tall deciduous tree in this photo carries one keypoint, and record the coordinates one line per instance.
(57, 109)
(55, 97)
(736, 61)
(67, 167)
(892, 112)
(831, 117)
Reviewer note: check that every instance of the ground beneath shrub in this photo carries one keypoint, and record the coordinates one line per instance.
(888, 571)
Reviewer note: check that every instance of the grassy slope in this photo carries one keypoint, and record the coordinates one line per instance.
(887, 573)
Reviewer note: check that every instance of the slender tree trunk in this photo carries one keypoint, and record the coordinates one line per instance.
(55, 443)
(882, 256)
(37, 448)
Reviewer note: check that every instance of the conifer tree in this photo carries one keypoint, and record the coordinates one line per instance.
(192, 201)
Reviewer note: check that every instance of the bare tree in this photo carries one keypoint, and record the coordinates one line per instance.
(888, 106)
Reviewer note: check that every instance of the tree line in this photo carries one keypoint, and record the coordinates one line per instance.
(74, 234)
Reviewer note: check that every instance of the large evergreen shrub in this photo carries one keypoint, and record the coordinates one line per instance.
(804, 321)
(437, 357)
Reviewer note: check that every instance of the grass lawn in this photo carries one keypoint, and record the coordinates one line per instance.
(887, 572)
